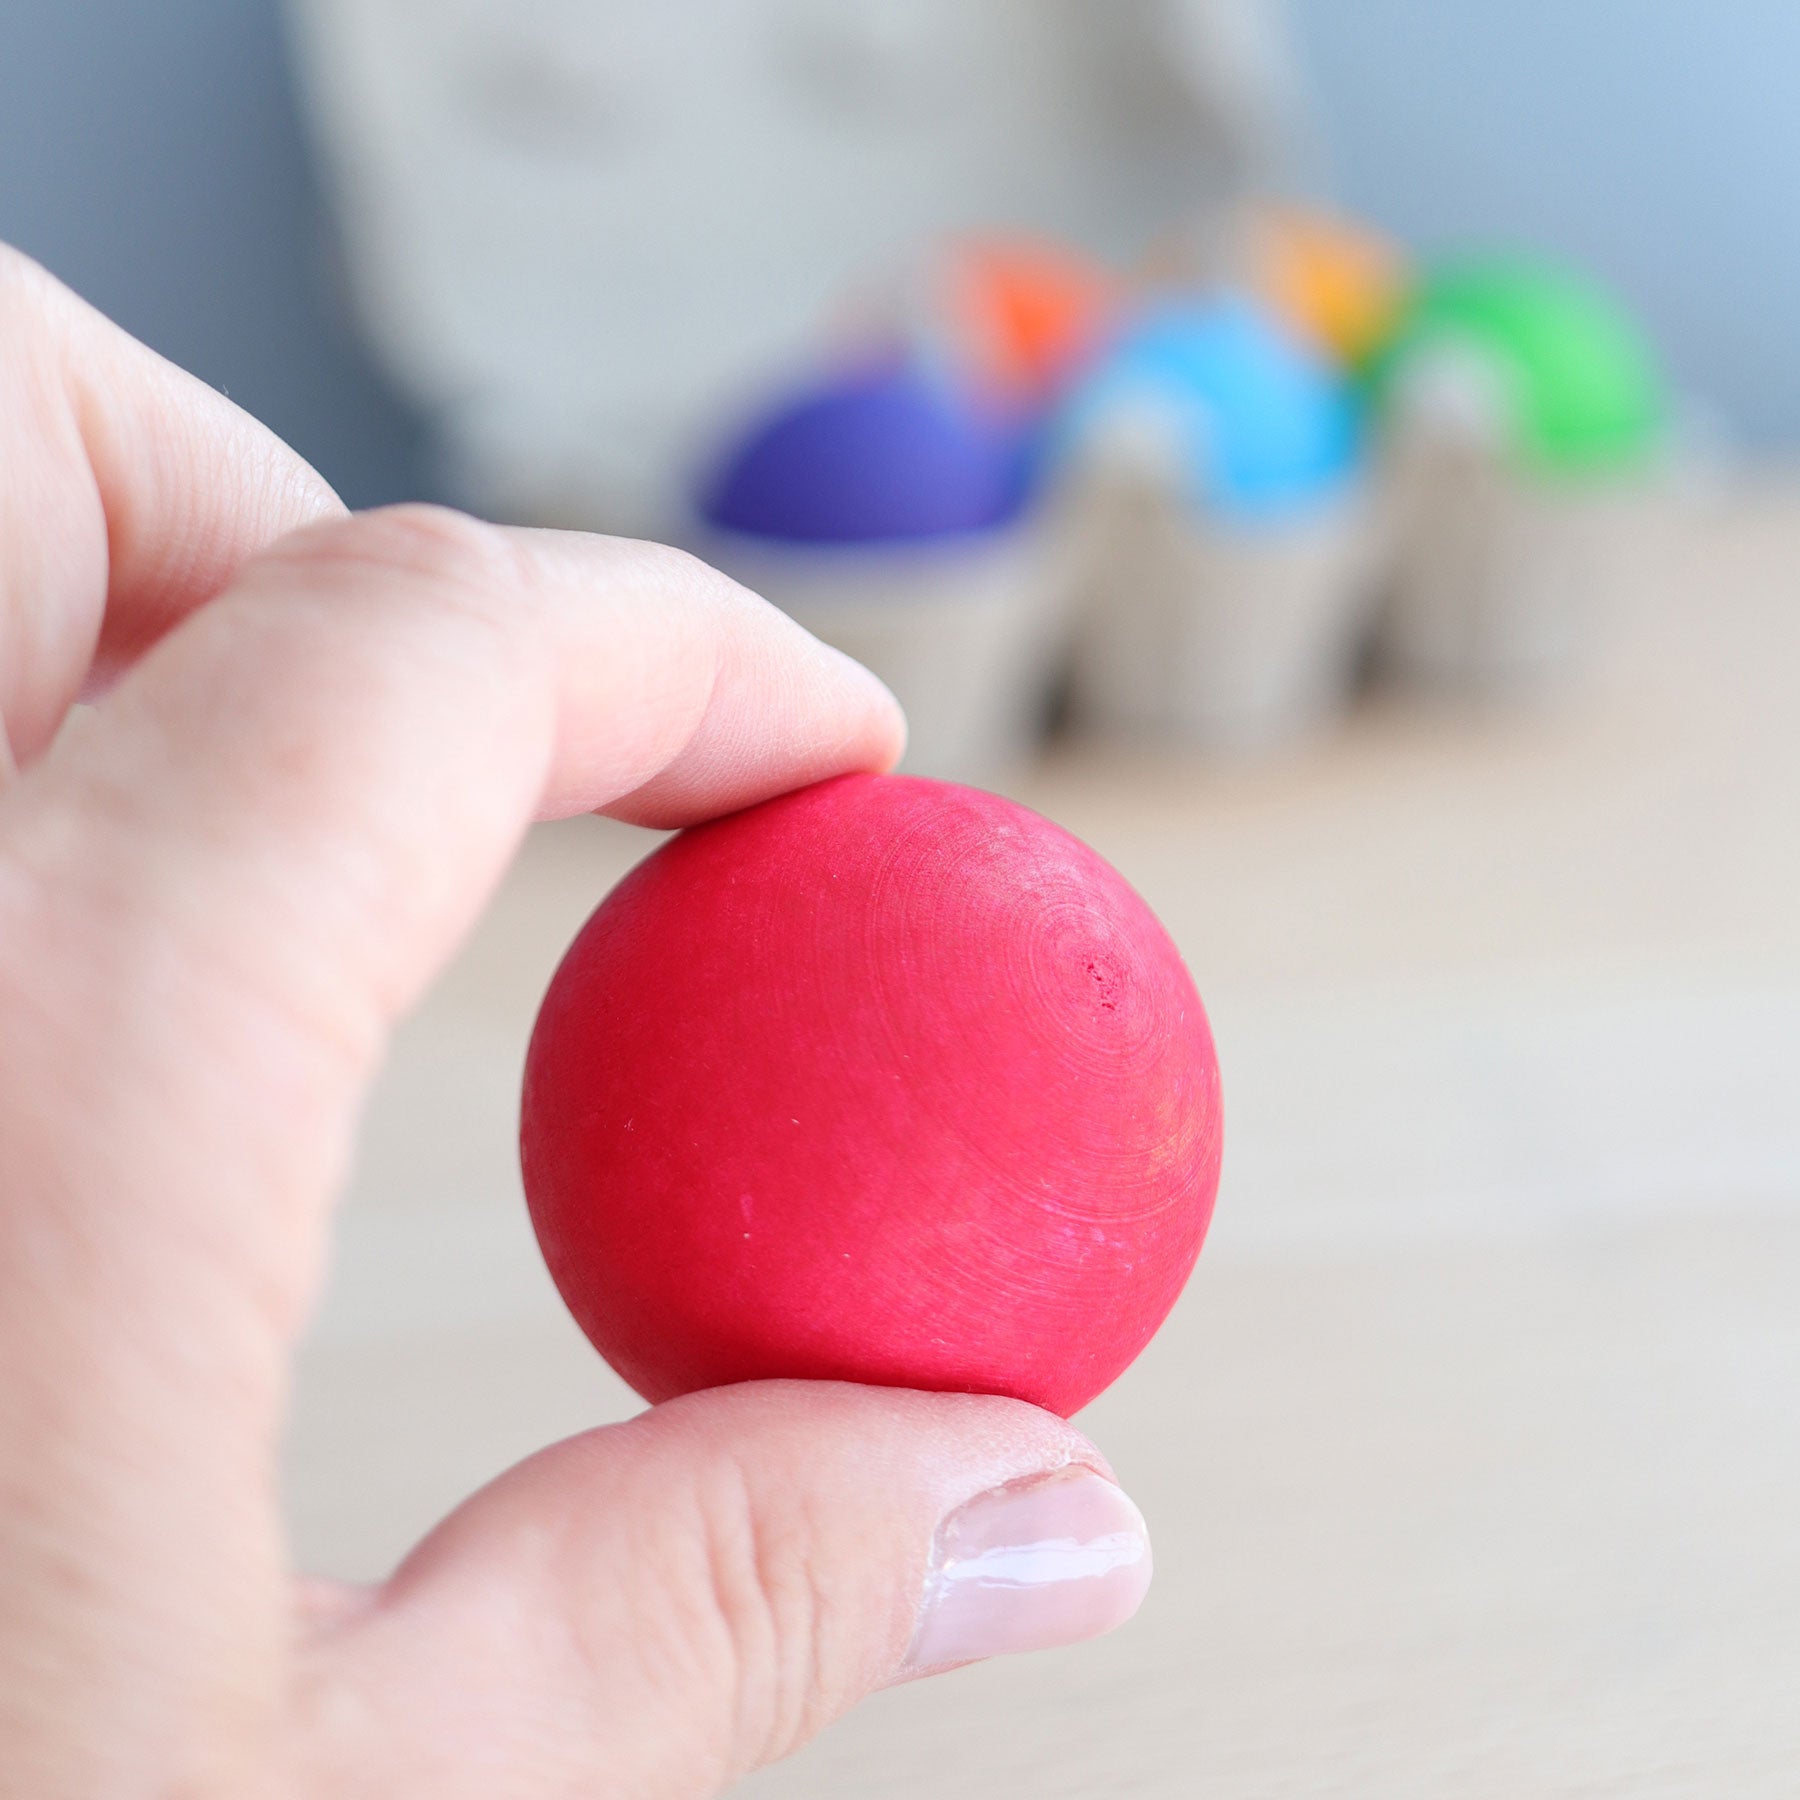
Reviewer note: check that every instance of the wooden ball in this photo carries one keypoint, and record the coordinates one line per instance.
(887, 1081)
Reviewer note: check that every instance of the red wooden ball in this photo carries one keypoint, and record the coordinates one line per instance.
(886, 1081)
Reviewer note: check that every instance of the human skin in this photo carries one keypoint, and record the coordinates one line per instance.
(321, 739)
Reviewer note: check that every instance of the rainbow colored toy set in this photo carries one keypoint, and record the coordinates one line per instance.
(1196, 499)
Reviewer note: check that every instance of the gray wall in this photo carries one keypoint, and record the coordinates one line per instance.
(150, 156)
(149, 153)
(1656, 141)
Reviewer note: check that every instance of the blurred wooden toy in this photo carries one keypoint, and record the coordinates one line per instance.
(888, 514)
(1521, 415)
(1338, 282)
(1334, 281)
(1218, 463)
(886, 1081)
(1019, 317)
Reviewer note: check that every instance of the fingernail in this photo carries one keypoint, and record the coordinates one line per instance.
(1046, 1561)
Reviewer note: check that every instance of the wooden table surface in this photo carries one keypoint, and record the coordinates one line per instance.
(1472, 1454)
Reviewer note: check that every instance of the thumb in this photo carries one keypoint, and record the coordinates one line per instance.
(658, 1607)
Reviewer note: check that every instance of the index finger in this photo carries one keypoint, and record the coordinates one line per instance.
(224, 890)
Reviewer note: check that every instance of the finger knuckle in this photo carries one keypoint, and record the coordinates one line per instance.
(456, 558)
(761, 1597)
(26, 286)
(36, 312)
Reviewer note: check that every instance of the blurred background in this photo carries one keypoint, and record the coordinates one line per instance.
(1340, 461)
(156, 159)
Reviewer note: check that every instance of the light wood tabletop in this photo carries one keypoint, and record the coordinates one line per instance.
(1472, 1454)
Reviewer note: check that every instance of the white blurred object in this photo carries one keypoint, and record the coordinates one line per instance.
(1234, 635)
(579, 230)
(1238, 62)
(1499, 578)
(967, 631)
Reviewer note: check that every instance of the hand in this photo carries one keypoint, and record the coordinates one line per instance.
(323, 738)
